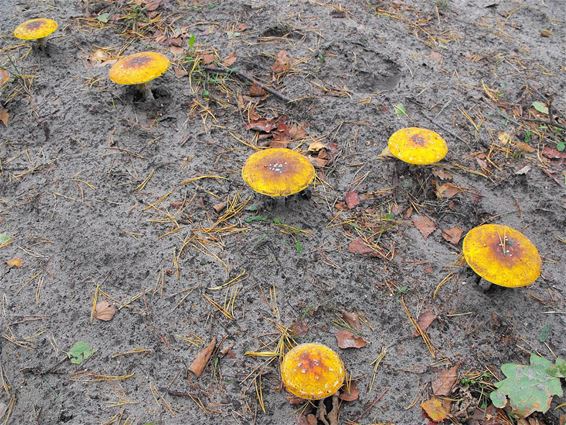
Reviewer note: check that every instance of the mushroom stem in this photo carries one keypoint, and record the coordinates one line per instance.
(41, 44)
(146, 91)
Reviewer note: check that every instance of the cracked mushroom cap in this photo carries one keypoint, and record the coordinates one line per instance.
(139, 68)
(278, 172)
(34, 29)
(502, 255)
(418, 146)
(312, 371)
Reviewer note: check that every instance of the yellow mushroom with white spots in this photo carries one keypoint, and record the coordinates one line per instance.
(139, 69)
(312, 371)
(502, 255)
(418, 146)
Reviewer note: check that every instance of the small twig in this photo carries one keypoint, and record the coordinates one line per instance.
(243, 75)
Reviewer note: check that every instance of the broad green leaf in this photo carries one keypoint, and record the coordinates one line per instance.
(544, 333)
(559, 368)
(104, 17)
(79, 352)
(540, 107)
(400, 110)
(561, 146)
(529, 388)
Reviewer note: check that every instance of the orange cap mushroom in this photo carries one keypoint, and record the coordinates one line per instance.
(312, 371)
(139, 68)
(35, 29)
(278, 172)
(418, 146)
(502, 255)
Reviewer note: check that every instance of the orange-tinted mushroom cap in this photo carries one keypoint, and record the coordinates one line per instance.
(34, 29)
(139, 68)
(418, 146)
(278, 172)
(312, 371)
(502, 255)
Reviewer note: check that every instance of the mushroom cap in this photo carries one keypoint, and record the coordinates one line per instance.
(312, 371)
(418, 146)
(139, 68)
(502, 255)
(278, 172)
(34, 29)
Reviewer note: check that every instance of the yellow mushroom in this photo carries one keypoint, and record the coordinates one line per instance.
(418, 146)
(312, 371)
(278, 172)
(36, 29)
(502, 255)
(139, 69)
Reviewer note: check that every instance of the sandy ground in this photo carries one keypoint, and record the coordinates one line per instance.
(94, 194)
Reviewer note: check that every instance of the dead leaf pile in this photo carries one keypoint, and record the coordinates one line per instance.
(276, 130)
(322, 154)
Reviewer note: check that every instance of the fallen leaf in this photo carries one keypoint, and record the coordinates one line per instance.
(15, 263)
(309, 419)
(4, 116)
(318, 162)
(353, 319)
(424, 225)
(282, 63)
(104, 311)
(447, 190)
(504, 138)
(540, 107)
(219, 207)
(316, 147)
(230, 60)
(453, 234)
(483, 164)
(350, 392)
(293, 400)
(424, 321)
(257, 91)
(4, 77)
(79, 352)
(152, 5)
(299, 328)
(266, 125)
(207, 58)
(523, 170)
(442, 174)
(445, 380)
(358, 246)
(435, 56)
(553, 153)
(524, 147)
(202, 358)
(352, 199)
(346, 339)
(180, 72)
(5, 240)
(297, 132)
(279, 143)
(436, 409)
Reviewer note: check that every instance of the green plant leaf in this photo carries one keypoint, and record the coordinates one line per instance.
(540, 107)
(544, 333)
(559, 368)
(103, 17)
(191, 41)
(529, 388)
(80, 351)
(400, 110)
(299, 247)
(561, 146)
(5, 240)
(255, 218)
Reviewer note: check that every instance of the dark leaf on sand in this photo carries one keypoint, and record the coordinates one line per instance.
(230, 60)
(424, 321)
(199, 363)
(347, 339)
(358, 246)
(352, 199)
(353, 319)
(424, 225)
(282, 63)
(447, 190)
(350, 392)
(445, 380)
(257, 91)
(453, 234)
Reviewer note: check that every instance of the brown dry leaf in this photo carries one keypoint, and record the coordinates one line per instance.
(15, 262)
(180, 72)
(424, 225)
(318, 162)
(104, 311)
(435, 56)
(293, 400)
(524, 147)
(350, 392)
(309, 419)
(299, 328)
(353, 319)
(352, 199)
(279, 143)
(447, 190)
(347, 339)
(297, 132)
(219, 207)
(445, 380)
(553, 153)
(230, 60)
(424, 321)
(266, 125)
(152, 5)
(257, 91)
(177, 51)
(4, 116)
(201, 360)
(207, 58)
(282, 63)
(436, 409)
(483, 164)
(316, 147)
(4, 77)
(453, 234)
(504, 138)
(523, 170)
(358, 246)
(442, 174)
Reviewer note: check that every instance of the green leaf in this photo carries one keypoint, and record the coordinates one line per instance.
(192, 40)
(103, 17)
(5, 240)
(400, 110)
(561, 146)
(544, 333)
(540, 107)
(79, 352)
(559, 369)
(299, 247)
(529, 388)
(255, 218)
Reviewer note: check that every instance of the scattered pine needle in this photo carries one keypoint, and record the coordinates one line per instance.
(422, 333)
